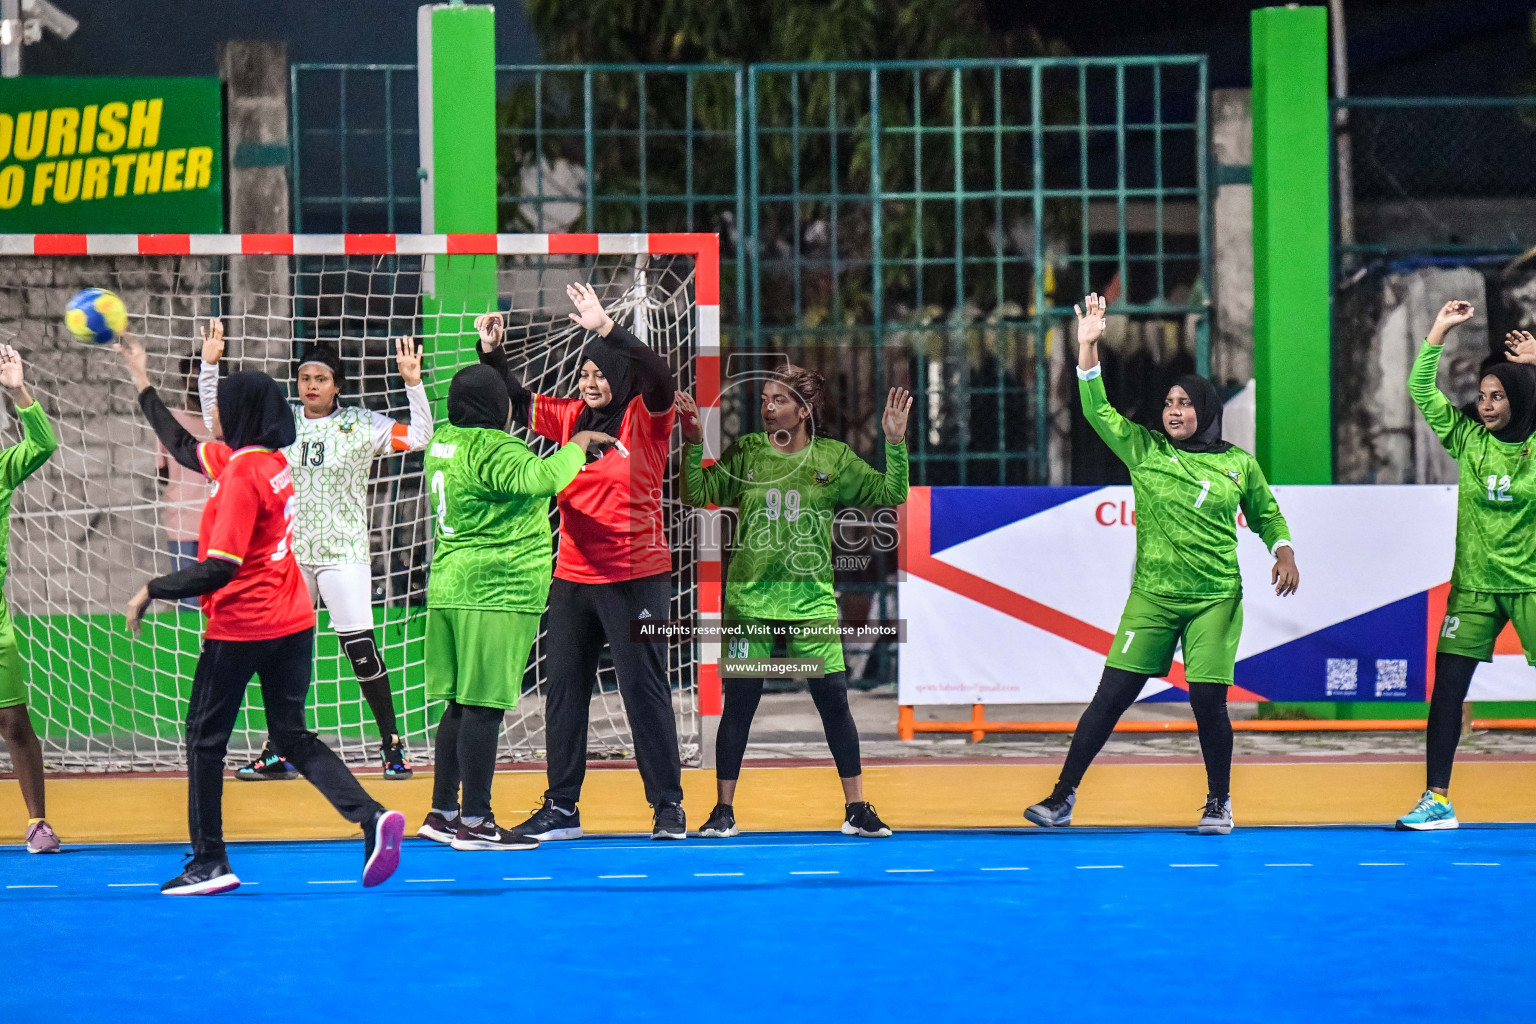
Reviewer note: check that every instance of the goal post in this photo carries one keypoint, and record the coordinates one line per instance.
(109, 510)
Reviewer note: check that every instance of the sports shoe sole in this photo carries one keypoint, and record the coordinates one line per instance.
(1429, 826)
(669, 835)
(433, 834)
(387, 833)
(1034, 817)
(555, 835)
(259, 777)
(212, 887)
(719, 833)
(472, 845)
(1215, 830)
(399, 776)
(849, 830)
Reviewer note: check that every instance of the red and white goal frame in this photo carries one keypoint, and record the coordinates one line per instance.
(703, 247)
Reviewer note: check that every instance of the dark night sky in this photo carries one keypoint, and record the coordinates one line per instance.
(1396, 46)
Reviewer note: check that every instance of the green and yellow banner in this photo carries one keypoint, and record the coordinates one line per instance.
(110, 155)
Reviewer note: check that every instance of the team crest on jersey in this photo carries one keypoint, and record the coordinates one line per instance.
(823, 478)
(1234, 475)
(347, 427)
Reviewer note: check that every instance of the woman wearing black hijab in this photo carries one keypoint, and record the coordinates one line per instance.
(1493, 581)
(260, 622)
(613, 566)
(1189, 486)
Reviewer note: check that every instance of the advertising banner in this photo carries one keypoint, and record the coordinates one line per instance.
(111, 155)
(1011, 595)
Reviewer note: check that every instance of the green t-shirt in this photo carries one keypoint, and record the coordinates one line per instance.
(1186, 505)
(1496, 498)
(489, 499)
(781, 556)
(18, 462)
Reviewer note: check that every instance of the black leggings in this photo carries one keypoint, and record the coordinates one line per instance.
(218, 688)
(467, 738)
(1453, 677)
(1118, 690)
(831, 696)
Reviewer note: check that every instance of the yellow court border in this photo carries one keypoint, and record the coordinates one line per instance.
(801, 798)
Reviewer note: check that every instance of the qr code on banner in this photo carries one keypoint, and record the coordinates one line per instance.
(1343, 677)
(1391, 677)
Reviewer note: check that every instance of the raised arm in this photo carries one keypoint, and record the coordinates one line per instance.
(861, 484)
(1129, 441)
(177, 440)
(703, 485)
(22, 459)
(653, 379)
(1450, 426)
(491, 328)
(208, 370)
(388, 435)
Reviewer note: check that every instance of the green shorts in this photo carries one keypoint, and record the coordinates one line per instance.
(478, 657)
(829, 651)
(1474, 620)
(13, 687)
(1151, 627)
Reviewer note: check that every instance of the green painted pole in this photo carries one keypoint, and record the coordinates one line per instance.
(456, 88)
(1290, 244)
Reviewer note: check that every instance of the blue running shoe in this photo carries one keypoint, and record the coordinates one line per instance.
(1429, 815)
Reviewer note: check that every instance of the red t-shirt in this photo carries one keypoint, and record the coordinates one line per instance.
(610, 516)
(249, 521)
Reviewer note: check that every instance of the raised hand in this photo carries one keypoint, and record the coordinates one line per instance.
(589, 309)
(1451, 315)
(897, 404)
(688, 418)
(1521, 347)
(1285, 576)
(11, 377)
(1090, 321)
(213, 340)
(408, 361)
(490, 328)
(137, 360)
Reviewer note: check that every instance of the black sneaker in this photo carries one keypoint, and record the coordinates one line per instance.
(863, 821)
(202, 878)
(395, 764)
(381, 846)
(438, 828)
(669, 823)
(1052, 812)
(490, 836)
(551, 823)
(268, 767)
(721, 823)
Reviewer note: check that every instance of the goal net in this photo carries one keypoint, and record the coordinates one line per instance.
(110, 509)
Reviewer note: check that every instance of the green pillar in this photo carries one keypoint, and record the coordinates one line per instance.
(1291, 293)
(456, 89)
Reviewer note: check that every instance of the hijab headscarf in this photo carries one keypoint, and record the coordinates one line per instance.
(254, 411)
(615, 366)
(1207, 404)
(1519, 383)
(477, 397)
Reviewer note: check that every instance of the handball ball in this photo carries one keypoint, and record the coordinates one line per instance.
(96, 316)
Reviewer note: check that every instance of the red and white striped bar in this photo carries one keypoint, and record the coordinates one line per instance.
(704, 247)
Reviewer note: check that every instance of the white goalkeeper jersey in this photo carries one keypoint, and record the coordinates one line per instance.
(331, 460)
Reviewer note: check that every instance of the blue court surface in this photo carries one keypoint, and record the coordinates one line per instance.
(1268, 924)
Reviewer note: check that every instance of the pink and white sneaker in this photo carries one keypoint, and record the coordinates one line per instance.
(41, 838)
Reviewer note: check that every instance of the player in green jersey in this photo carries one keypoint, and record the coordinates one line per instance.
(785, 484)
(489, 581)
(16, 464)
(1189, 486)
(1493, 579)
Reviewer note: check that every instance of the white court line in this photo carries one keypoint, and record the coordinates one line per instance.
(1287, 865)
(1097, 867)
(1382, 864)
(336, 881)
(813, 872)
(530, 878)
(909, 871)
(621, 876)
(137, 885)
(717, 874)
(1474, 863)
(430, 879)
(1005, 869)
(31, 887)
(1194, 865)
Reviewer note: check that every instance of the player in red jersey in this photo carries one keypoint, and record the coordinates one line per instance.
(260, 621)
(613, 566)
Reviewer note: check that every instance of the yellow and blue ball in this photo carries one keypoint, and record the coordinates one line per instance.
(96, 316)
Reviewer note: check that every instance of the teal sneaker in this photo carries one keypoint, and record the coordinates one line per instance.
(1429, 815)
